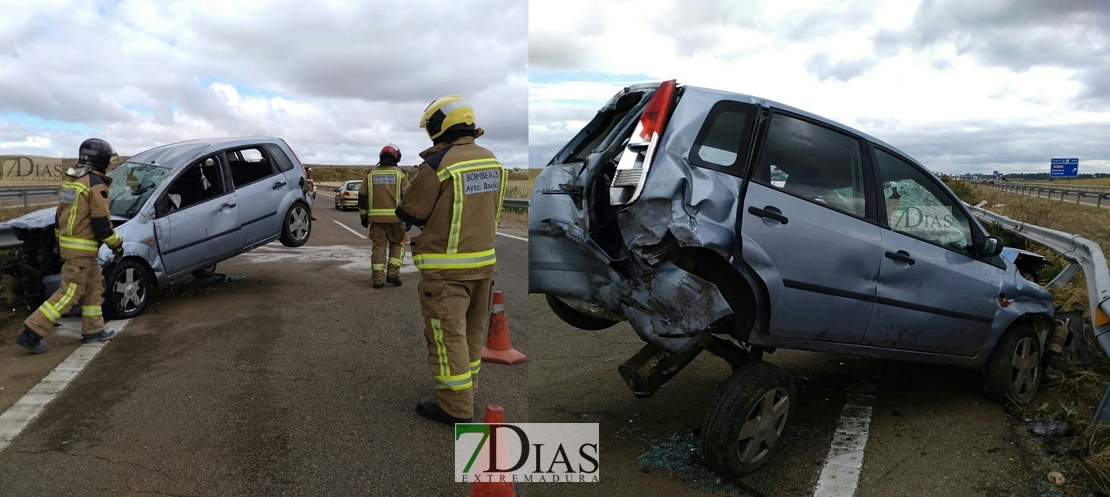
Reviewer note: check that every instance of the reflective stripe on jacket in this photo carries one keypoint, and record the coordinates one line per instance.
(383, 189)
(456, 198)
(83, 217)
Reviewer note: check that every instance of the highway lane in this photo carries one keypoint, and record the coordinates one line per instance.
(289, 376)
(931, 433)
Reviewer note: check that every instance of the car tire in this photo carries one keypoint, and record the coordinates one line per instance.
(128, 287)
(204, 272)
(296, 227)
(1014, 369)
(576, 319)
(746, 422)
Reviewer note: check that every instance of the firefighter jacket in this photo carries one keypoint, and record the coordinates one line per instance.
(380, 194)
(83, 217)
(456, 199)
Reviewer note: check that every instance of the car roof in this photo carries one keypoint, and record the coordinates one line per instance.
(181, 153)
(719, 94)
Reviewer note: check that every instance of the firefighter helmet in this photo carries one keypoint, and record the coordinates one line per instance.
(96, 153)
(450, 113)
(392, 151)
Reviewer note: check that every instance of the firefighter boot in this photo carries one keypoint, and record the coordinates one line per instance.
(430, 409)
(31, 341)
(103, 336)
(393, 280)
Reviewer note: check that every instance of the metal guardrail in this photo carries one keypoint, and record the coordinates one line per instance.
(1082, 253)
(1049, 193)
(1067, 186)
(7, 237)
(27, 191)
(515, 203)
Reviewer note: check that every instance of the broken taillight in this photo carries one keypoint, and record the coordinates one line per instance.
(628, 181)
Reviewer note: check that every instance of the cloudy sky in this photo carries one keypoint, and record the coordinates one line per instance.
(960, 86)
(337, 79)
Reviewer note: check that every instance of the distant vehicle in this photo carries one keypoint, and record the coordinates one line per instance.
(347, 195)
(180, 209)
(715, 221)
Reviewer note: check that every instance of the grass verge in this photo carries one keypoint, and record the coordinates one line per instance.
(1068, 392)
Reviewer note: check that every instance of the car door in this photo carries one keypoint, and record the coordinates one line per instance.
(933, 294)
(807, 233)
(260, 187)
(197, 219)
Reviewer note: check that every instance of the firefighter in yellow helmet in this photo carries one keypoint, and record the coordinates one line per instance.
(456, 200)
(377, 200)
(83, 220)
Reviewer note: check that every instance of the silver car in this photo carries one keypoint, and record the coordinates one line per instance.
(724, 222)
(180, 210)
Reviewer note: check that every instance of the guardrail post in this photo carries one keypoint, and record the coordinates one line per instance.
(1098, 202)
(24, 198)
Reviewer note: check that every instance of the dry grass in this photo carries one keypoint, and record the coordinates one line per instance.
(1076, 390)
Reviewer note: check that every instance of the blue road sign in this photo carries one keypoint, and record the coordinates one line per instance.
(996, 173)
(1064, 168)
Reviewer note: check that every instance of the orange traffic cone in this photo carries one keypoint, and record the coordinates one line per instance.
(498, 347)
(494, 414)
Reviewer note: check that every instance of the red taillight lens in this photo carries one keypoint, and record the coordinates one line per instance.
(655, 113)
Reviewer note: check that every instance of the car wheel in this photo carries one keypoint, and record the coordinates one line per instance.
(576, 319)
(1014, 370)
(205, 272)
(297, 226)
(746, 422)
(127, 289)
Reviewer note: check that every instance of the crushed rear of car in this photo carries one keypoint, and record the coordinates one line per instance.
(721, 222)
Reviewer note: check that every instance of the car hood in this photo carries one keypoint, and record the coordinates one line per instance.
(44, 218)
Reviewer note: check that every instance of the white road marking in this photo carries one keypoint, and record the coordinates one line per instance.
(348, 228)
(840, 475)
(513, 237)
(27, 408)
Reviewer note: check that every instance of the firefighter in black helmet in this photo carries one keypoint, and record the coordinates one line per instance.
(83, 220)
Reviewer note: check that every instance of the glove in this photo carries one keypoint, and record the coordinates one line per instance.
(365, 223)
(118, 250)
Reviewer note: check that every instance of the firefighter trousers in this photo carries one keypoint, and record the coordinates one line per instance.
(456, 315)
(388, 251)
(82, 282)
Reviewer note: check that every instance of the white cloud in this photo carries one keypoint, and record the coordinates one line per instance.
(923, 76)
(336, 79)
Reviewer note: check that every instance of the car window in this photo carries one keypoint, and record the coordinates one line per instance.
(916, 205)
(354, 186)
(249, 165)
(814, 163)
(198, 183)
(282, 160)
(723, 139)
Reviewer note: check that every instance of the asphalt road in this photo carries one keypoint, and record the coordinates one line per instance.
(932, 433)
(289, 377)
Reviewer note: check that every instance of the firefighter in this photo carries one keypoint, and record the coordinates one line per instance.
(82, 220)
(456, 200)
(377, 200)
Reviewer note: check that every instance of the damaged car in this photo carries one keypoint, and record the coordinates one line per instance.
(180, 209)
(721, 222)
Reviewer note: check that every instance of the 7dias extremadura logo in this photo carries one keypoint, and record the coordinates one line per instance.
(527, 452)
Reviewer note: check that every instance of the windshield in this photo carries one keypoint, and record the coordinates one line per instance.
(132, 185)
(354, 186)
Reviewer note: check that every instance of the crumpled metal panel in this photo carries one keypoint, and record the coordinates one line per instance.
(697, 206)
(674, 308)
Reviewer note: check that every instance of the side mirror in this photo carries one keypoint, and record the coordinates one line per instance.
(991, 247)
